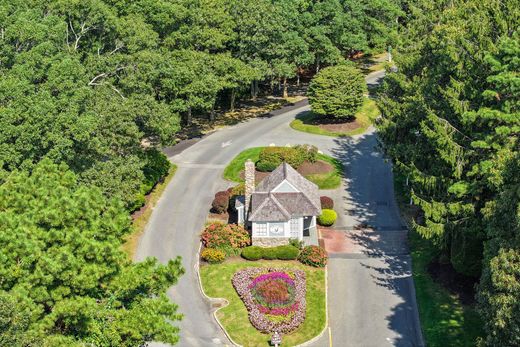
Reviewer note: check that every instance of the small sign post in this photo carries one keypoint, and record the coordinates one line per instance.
(276, 339)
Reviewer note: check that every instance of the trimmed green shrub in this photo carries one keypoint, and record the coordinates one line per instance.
(326, 203)
(156, 167)
(327, 218)
(270, 253)
(308, 152)
(287, 252)
(314, 256)
(252, 253)
(337, 91)
(220, 203)
(212, 255)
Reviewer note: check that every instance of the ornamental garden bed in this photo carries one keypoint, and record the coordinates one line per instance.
(217, 281)
(314, 124)
(323, 170)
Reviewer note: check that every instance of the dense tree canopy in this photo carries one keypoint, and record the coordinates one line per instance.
(90, 90)
(451, 120)
(61, 259)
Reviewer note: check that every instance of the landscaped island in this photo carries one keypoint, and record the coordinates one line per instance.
(217, 283)
(318, 168)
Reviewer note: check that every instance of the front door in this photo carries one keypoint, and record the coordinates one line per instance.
(306, 225)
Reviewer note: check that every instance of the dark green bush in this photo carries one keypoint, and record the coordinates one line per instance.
(252, 253)
(337, 91)
(156, 167)
(270, 253)
(287, 252)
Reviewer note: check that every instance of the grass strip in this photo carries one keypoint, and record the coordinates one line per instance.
(444, 319)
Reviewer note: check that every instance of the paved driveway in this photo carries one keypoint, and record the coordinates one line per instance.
(371, 297)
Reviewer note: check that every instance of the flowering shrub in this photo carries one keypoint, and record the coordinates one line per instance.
(313, 256)
(226, 237)
(212, 255)
(274, 298)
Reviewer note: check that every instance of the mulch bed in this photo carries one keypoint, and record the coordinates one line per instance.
(319, 167)
(340, 127)
(336, 125)
(458, 284)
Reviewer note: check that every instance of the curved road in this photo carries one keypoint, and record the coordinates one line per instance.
(371, 292)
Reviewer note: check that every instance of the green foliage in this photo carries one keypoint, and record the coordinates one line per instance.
(271, 157)
(284, 252)
(314, 256)
(287, 252)
(212, 255)
(296, 243)
(252, 253)
(450, 124)
(74, 276)
(337, 91)
(327, 217)
(227, 237)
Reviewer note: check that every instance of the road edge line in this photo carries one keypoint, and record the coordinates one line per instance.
(210, 299)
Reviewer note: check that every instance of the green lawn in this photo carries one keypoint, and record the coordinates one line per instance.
(329, 180)
(445, 320)
(216, 281)
(365, 117)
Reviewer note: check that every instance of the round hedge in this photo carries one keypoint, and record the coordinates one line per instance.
(327, 218)
(337, 91)
(326, 202)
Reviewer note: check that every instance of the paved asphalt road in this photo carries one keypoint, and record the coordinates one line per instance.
(371, 293)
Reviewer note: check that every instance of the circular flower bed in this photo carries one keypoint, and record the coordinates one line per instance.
(274, 298)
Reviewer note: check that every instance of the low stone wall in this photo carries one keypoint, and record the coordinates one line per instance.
(270, 241)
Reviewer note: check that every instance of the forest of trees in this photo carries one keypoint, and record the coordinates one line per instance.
(451, 120)
(89, 91)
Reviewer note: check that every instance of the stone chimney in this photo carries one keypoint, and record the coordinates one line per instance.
(249, 174)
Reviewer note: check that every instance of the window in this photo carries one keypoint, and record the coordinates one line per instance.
(276, 229)
(295, 227)
(261, 229)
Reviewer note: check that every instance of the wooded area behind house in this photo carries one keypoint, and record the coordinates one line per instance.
(91, 90)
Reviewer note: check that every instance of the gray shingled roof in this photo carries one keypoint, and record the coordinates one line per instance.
(272, 206)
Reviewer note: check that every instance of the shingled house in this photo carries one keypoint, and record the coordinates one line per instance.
(284, 205)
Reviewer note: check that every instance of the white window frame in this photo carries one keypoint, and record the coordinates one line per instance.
(261, 229)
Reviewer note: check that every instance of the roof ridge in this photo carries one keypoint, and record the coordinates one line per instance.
(280, 206)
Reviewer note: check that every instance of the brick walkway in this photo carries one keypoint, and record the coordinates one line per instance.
(367, 241)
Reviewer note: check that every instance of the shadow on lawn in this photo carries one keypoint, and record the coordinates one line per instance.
(370, 197)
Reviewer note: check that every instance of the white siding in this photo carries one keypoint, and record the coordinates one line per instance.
(262, 229)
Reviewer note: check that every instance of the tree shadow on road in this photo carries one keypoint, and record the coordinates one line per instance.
(369, 201)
